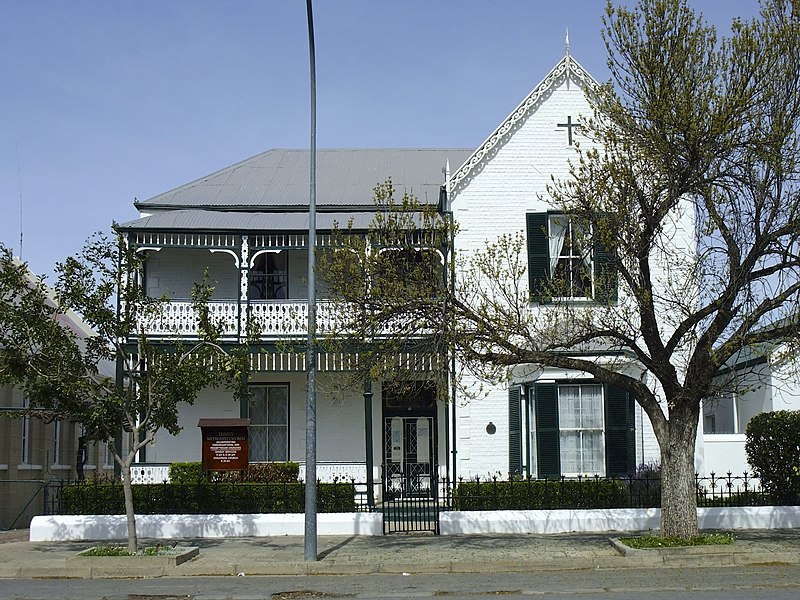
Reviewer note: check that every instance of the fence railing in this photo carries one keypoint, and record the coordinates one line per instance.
(465, 494)
(634, 491)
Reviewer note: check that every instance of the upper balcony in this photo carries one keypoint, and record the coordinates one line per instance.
(273, 319)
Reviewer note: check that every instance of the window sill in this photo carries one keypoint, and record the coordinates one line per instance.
(27, 467)
(3, 467)
(724, 437)
(60, 467)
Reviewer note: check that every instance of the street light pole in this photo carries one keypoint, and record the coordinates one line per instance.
(310, 540)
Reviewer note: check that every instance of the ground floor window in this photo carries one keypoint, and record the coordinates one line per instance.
(269, 422)
(729, 412)
(581, 435)
(571, 428)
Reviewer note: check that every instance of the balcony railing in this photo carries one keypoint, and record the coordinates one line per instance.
(273, 318)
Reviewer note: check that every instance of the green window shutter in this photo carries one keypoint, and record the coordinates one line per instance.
(548, 449)
(514, 432)
(620, 432)
(605, 275)
(538, 256)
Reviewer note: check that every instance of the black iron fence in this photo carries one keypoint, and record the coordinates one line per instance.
(635, 491)
(20, 500)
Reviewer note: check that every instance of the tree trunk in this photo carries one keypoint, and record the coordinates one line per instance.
(678, 493)
(127, 488)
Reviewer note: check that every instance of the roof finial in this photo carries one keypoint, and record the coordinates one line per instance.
(566, 55)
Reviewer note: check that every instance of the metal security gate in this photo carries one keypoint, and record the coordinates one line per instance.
(410, 486)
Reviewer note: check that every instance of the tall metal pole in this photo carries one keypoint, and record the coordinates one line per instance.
(310, 541)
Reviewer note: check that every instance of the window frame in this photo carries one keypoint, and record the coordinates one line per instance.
(267, 281)
(603, 275)
(582, 429)
(618, 411)
(267, 425)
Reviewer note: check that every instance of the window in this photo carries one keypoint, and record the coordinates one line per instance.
(57, 442)
(565, 263)
(269, 277)
(269, 422)
(25, 441)
(577, 429)
(580, 416)
(407, 273)
(728, 413)
(570, 258)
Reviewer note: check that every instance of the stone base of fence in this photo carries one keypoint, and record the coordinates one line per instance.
(612, 519)
(170, 527)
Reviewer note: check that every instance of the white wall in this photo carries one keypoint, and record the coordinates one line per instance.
(340, 421)
(494, 200)
(173, 271)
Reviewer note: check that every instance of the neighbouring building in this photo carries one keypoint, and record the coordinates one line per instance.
(34, 453)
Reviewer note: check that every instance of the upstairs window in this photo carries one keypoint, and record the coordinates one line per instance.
(269, 277)
(570, 258)
(564, 262)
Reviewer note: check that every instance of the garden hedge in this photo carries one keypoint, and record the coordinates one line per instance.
(204, 498)
(540, 494)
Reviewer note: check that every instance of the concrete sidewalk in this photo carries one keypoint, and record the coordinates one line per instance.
(391, 554)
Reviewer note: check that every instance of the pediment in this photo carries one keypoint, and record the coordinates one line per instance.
(566, 70)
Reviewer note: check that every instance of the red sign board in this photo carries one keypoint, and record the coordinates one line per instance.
(225, 446)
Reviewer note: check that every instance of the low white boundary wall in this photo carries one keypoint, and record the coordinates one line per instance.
(114, 527)
(616, 519)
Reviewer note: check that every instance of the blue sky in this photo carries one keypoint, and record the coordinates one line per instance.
(104, 101)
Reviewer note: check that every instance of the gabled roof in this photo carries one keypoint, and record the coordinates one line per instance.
(278, 180)
(567, 68)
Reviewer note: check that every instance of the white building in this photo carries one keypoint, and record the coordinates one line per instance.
(247, 224)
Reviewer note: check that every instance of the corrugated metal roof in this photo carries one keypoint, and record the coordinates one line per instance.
(218, 220)
(345, 177)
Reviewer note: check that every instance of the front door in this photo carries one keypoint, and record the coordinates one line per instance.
(409, 456)
(409, 461)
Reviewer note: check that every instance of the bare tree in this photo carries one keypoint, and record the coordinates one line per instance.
(690, 206)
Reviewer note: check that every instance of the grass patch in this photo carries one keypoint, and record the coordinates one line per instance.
(116, 550)
(657, 541)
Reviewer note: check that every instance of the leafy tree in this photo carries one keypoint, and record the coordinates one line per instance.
(698, 141)
(62, 375)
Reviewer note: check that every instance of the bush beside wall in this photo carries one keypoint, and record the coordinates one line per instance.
(773, 449)
(540, 494)
(204, 498)
(267, 472)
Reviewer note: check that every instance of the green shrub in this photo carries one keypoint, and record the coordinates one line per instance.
(186, 472)
(773, 450)
(204, 498)
(539, 494)
(259, 472)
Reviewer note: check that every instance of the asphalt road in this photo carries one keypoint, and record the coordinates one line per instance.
(730, 583)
